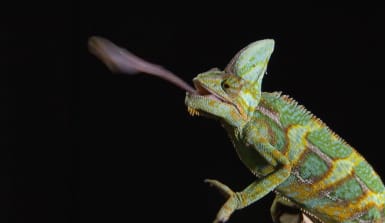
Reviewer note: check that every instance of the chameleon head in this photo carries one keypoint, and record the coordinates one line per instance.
(232, 94)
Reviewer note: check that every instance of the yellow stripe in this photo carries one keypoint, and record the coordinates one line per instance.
(353, 209)
(297, 147)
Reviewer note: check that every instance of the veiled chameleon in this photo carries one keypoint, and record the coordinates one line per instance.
(289, 150)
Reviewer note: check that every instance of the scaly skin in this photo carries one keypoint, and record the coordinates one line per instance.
(289, 150)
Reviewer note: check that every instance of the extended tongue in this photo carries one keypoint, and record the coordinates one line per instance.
(118, 59)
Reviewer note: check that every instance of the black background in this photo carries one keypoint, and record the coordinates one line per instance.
(86, 145)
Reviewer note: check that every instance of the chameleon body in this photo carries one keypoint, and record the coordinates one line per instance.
(289, 150)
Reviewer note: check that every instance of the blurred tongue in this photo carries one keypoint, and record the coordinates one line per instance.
(120, 60)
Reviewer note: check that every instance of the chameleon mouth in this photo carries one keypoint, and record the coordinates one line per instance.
(203, 92)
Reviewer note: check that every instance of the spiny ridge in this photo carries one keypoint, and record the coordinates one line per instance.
(306, 113)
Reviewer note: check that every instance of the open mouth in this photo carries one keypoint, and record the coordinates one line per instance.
(203, 92)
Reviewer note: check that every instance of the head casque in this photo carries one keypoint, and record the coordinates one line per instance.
(232, 94)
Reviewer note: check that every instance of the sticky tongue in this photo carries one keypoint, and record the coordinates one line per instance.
(120, 60)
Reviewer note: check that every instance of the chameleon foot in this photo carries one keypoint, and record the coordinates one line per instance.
(231, 204)
(225, 190)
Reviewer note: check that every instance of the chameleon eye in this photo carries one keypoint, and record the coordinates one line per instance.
(225, 85)
(231, 85)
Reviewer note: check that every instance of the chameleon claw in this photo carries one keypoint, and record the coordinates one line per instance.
(225, 190)
(229, 207)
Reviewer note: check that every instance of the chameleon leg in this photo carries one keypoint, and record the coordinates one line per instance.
(269, 153)
(258, 188)
(252, 193)
(285, 211)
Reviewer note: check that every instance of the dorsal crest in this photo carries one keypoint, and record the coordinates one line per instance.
(305, 114)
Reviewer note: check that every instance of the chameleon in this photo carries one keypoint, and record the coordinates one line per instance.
(290, 151)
